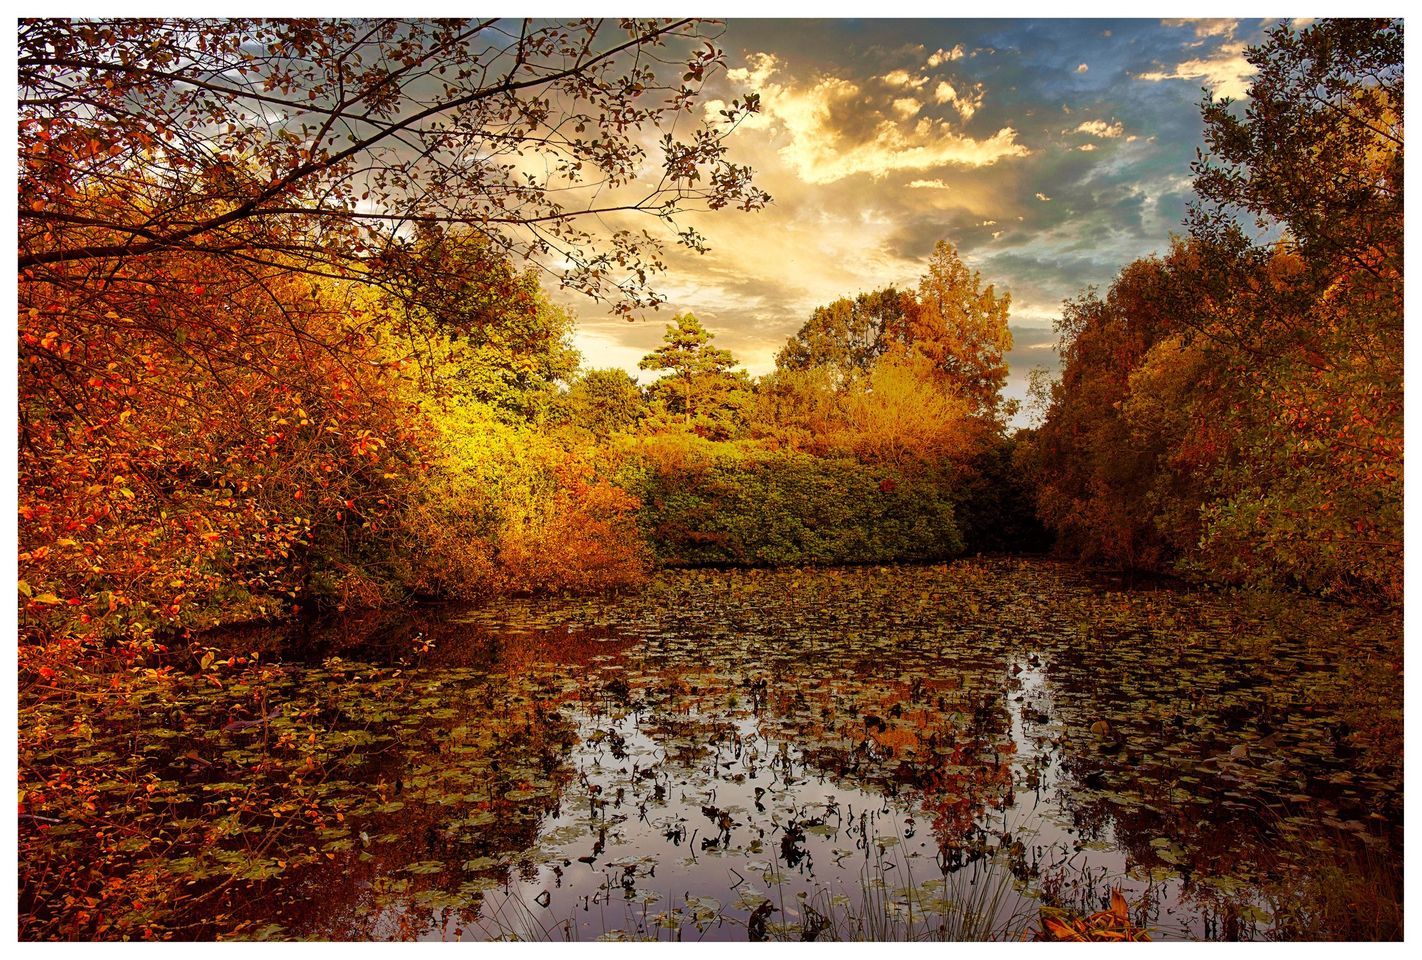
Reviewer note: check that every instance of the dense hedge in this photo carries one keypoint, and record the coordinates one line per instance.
(735, 505)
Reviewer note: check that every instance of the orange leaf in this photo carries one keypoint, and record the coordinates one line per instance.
(1060, 929)
(1119, 907)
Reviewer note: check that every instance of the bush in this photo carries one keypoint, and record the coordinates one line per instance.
(513, 509)
(713, 504)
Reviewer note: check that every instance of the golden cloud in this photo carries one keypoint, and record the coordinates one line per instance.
(1226, 71)
(966, 104)
(941, 56)
(1203, 26)
(902, 78)
(1100, 128)
(818, 150)
(907, 106)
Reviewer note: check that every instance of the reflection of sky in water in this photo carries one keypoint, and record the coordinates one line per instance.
(862, 752)
(652, 859)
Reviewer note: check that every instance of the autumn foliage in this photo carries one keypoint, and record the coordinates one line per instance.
(188, 435)
(265, 295)
(1233, 409)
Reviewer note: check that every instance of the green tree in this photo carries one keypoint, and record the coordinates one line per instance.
(512, 345)
(605, 401)
(1318, 149)
(701, 388)
(847, 336)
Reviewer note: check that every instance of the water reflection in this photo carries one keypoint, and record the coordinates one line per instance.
(892, 754)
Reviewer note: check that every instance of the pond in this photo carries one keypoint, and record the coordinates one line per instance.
(905, 752)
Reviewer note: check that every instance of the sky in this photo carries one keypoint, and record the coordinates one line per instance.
(1049, 152)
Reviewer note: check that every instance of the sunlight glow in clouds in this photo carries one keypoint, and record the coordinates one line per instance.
(941, 56)
(877, 138)
(1100, 128)
(1225, 71)
(819, 150)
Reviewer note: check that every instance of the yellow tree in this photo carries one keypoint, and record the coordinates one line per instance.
(904, 415)
(961, 326)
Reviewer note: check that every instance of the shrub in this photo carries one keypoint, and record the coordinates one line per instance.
(710, 504)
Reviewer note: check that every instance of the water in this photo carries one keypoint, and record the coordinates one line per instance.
(886, 753)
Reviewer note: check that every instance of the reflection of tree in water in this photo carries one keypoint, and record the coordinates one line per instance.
(455, 756)
(1212, 760)
(317, 797)
(959, 794)
(473, 789)
(930, 740)
(477, 785)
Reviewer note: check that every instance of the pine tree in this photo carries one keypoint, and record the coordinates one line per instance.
(696, 367)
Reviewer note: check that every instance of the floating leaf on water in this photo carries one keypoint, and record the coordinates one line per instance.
(425, 866)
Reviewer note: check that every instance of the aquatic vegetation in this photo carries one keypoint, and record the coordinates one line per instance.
(1103, 925)
(938, 752)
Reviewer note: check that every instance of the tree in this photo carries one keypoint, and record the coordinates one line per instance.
(1315, 329)
(604, 402)
(317, 144)
(701, 385)
(797, 409)
(1098, 479)
(961, 327)
(223, 469)
(509, 345)
(240, 241)
(847, 336)
(903, 415)
(1318, 148)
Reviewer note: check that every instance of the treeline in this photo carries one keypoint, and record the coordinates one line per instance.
(230, 464)
(879, 436)
(280, 346)
(242, 395)
(1234, 408)
(283, 347)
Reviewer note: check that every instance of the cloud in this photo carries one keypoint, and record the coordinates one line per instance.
(941, 56)
(1225, 71)
(902, 78)
(1204, 27)
(1100, 128)
(1064, 219)
(828, 133)
(1081, 68)
(966, 104)
(907, 106)
(1087, 147)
